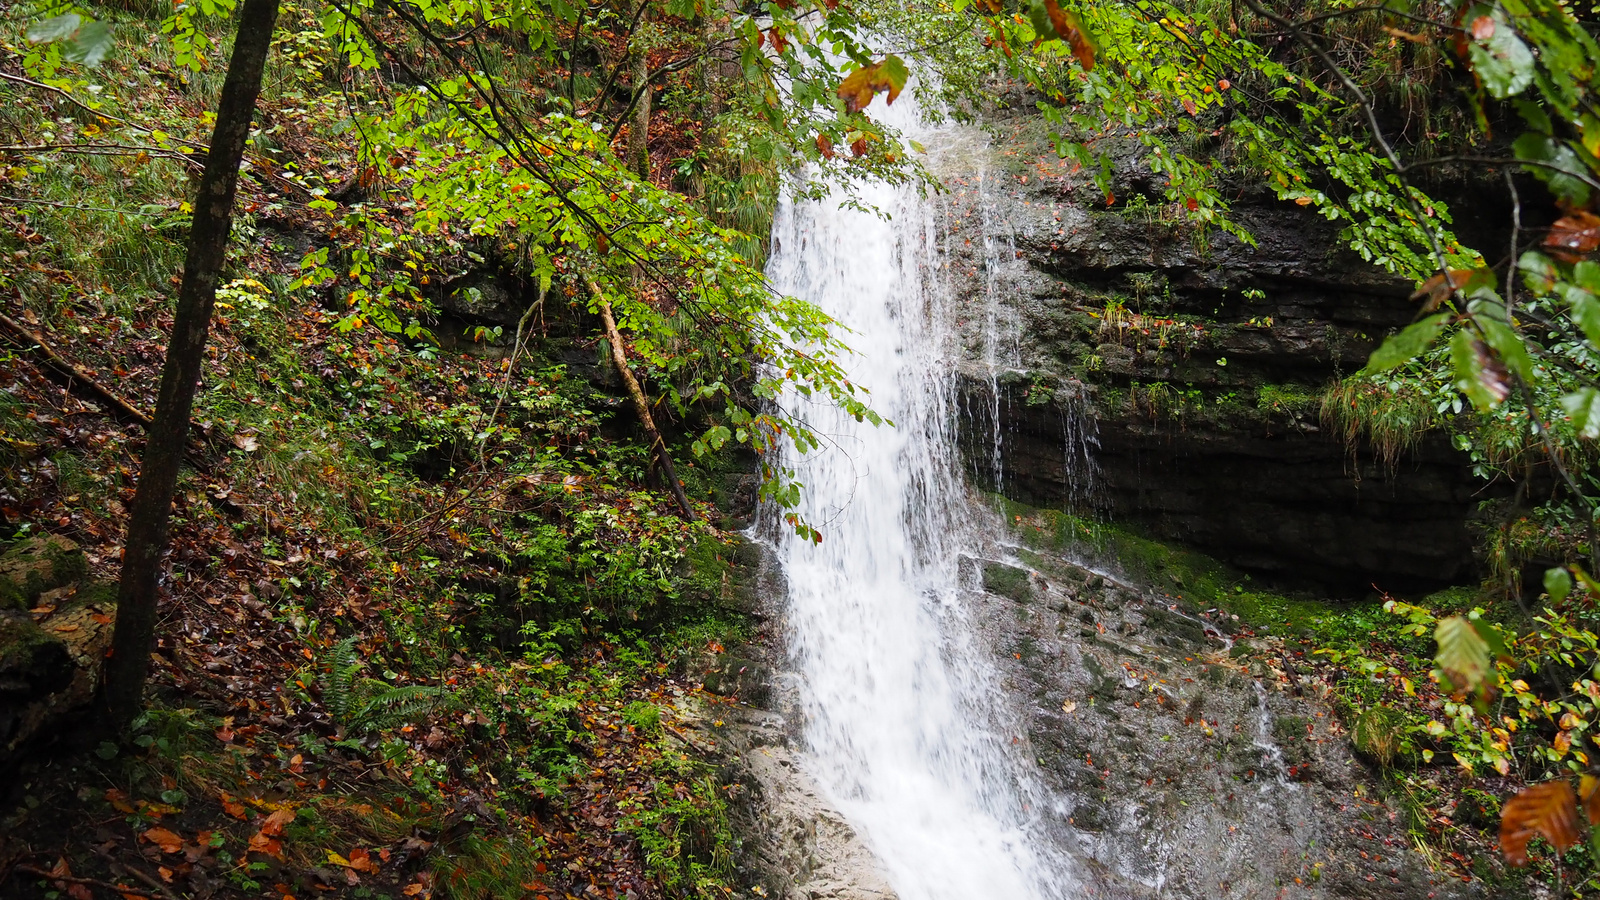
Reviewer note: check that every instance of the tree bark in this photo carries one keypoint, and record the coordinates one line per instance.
(639, 134)
(641, 404)
(151, 515)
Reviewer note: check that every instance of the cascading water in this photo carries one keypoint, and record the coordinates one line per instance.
(901, 725)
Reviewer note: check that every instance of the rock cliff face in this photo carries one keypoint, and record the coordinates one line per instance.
(1194, 365)
(1177, 754)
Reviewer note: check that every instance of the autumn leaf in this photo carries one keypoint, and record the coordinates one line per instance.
(1070, 29)
(1574, 235)
(1190, 107)
(1438, 289)
(361, 861)
(777, 40)
(858, 147)
(1589, 796)
(166, 840)
(1482, 28)
(859, 87)
(1548, 810)
(825, 146)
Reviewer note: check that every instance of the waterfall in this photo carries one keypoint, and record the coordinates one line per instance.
(903, 726)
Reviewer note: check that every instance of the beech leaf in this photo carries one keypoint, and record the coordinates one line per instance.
(1548, 810)
(1463, 654)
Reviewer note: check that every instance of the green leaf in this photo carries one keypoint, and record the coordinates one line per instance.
(1583, 405)
(1408, 344)
(1508, 345)
(83, 40)
(1538, 271)
(90, 45)
(1476, 374)
(1502, 62)
(1463, 653)
(58, 28)
(894, 69)
(1557, 583)
(1585, 305)
(1561, 167)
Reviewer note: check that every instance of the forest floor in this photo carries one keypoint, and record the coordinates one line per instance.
(427, 632)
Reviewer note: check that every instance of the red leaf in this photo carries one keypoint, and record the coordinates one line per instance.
(1574, 235)
(859, 146)
(824, 146)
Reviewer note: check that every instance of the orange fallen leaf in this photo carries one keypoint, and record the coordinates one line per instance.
(166, 840)
(361, 861)
(274, 824)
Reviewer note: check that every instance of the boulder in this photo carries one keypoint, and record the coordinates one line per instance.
(55, 629)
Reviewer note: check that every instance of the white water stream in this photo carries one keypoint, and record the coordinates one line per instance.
(903, 726)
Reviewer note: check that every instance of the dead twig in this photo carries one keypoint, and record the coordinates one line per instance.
(72, 372)
(87, 882)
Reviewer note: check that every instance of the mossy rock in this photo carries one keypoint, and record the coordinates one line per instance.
(37, 565)
(1007, 581)
(1379, 734)
(32, 660)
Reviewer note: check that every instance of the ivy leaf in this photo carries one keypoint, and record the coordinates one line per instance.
(1408, 344)
(1583, 405)
(1463, 654)
(1548, 810)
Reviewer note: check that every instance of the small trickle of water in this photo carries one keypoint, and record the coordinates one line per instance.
(901, 728)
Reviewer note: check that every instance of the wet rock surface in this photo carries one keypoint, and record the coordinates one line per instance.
(794, 844)
(1183, 756)
(1200, 361)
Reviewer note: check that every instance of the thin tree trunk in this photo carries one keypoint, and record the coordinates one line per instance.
(639, 135)
(151, 515)
(641, 404)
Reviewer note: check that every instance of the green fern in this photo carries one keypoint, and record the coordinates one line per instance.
(367, 704)
(387, 706)
(337, 681)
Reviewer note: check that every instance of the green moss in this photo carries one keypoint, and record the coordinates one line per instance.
(1194, 579)
(37, 565)
(1007, 581)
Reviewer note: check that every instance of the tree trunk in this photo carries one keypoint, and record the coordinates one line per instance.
(639, 134)
(150, 518)
(641, 404)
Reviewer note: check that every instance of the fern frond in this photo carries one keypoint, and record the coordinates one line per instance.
(385, 706)
(337, 680)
